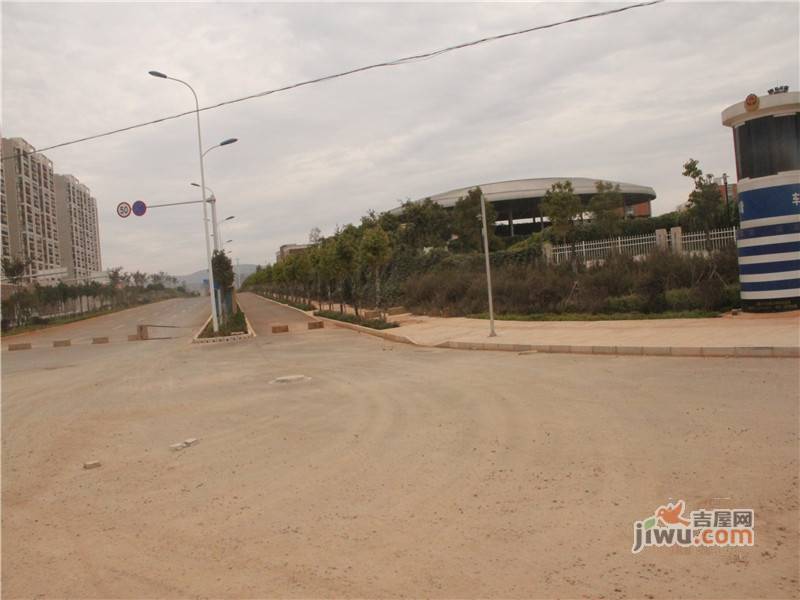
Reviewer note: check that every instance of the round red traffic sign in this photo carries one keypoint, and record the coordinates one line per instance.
(124, 210)
(139, 208)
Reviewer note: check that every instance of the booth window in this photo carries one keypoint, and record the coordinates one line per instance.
(768, 145)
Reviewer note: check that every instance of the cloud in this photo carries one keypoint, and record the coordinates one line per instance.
(628, 97)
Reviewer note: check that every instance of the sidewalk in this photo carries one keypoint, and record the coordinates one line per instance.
(742, 330)
(744, 335)
(741, 335)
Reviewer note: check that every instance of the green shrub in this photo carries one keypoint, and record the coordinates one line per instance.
(631, 303)
(355, 319)
(682, 299)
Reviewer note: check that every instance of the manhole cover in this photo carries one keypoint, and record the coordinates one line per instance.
(290, 379)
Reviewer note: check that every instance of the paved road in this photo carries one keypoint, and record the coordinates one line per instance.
(186, 313)
(393, 470)
(263, 314)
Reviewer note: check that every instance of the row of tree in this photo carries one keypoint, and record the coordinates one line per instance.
(31, 302)
(353, 265)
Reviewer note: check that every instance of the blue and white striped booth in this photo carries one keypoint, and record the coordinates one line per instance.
(766, 133)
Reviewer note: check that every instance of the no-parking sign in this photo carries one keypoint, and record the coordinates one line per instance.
(124, 210)
(139, 208)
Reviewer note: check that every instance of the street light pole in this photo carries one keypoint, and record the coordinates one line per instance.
(219, 225)
(213, 198)
(492, 332)
(214, 315)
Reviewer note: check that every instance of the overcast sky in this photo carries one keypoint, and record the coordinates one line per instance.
(628, 97)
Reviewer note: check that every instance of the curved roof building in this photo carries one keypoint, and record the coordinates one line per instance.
(520, 199)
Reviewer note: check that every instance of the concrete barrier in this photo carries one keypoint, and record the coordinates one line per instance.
(280, 329)
(134, 337)
(99, 340)
(62, 343)
(372, 314)
(142, 332)
(15, 347)
(397, 310)
(316, 325)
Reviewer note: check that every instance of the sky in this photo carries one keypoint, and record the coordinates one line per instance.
(629, 97)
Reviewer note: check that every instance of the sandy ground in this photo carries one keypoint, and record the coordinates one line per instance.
(394, 471)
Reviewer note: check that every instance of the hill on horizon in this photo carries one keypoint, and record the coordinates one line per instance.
(194, 281)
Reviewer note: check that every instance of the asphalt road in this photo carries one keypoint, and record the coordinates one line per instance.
(184, 315)
(392, 471)
(263, 314)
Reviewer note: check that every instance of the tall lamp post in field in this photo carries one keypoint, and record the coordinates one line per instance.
(214, 312)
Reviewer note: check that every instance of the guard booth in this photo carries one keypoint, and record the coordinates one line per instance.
(766, 136)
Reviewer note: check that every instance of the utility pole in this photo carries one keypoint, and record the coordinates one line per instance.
(727, 204)
(492, 332)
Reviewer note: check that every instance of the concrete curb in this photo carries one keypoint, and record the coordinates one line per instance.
(678, 351)
(251, 333)
(381, 333)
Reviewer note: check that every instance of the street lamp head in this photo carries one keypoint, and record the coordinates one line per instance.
(157, 74)
(231, 217)
(228, 241)
(229, 141)
(195, 184)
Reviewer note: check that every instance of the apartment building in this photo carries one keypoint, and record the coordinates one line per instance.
(78, 229)
(29, 220)
(6, 247)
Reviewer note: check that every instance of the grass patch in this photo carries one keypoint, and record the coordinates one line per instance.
(348, 318)
(236, 323)
(687, 314)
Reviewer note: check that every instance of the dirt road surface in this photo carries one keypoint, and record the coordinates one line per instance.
(393, 471)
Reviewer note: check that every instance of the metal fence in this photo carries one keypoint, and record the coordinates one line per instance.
(641, 245)
(717, 239)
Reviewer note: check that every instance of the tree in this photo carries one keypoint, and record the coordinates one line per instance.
(115, 276)
(223, 270)
(705, 200)
(139, 278)
(467, 221)
(374, 252)
(562, 206)
(424, 224)
(608, 208)
(346, 266)
(14, 268)
(314, 236)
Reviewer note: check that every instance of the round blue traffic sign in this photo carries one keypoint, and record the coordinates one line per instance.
(139, 208)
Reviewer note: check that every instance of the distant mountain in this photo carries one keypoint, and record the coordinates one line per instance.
(194, 281)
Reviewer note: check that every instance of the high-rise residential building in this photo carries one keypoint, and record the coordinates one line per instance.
(78, 229)
(6, 248)
(30, 228)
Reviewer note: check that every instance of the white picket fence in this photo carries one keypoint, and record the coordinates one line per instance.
(641, 245)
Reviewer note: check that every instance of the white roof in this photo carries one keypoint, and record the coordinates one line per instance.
(536, 188)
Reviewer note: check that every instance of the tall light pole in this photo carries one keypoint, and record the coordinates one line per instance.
(214, 314)
(220, 228)
(213, 198)
(492, 332)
